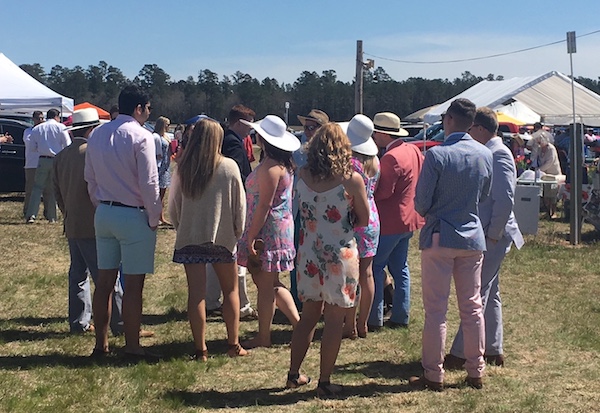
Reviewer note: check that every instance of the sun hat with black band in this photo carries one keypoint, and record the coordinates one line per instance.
(315, 115)
(273, 130)
(84, 118)
(388, 122)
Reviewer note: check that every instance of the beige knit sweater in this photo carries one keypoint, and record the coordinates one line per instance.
(216, 216)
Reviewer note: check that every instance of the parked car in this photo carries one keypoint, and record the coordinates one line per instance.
(12, 156)
(433, 136)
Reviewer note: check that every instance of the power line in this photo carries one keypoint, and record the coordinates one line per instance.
(475, 58)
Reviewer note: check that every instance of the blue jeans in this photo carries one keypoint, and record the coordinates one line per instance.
(84, 263)
(393, 253)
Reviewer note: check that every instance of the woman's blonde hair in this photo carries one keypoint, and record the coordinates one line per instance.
(368, 163)
(329, 153)
(201, 157)
(160, 126)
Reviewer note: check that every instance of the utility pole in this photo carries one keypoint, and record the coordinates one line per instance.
(576, 155)
(358, 84)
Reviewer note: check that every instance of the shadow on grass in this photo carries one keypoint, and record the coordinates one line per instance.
(214, 399)
(171, 315)
(169, 352)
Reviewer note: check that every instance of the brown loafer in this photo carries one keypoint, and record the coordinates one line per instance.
(452, 362)
(495, 360)
(420, 382)
(474, 382)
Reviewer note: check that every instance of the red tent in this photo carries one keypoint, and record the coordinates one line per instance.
(101, 112)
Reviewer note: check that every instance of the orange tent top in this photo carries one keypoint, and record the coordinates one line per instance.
(102, 114)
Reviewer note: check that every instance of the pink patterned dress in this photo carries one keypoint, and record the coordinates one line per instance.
(368, 237)
(277, 232)
(327, 259)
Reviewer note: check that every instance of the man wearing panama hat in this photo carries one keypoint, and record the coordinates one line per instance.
(400, 168)
(74, 201)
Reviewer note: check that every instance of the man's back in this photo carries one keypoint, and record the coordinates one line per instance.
(71, 190)
(233, 148)
(456, 176)
(49, 138)
(121, 166)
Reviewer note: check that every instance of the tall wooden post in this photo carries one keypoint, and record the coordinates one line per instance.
(358, 84)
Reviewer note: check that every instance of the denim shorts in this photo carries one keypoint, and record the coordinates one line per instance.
(124, 237)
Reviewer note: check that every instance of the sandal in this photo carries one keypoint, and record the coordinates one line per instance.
(325, 389)
(200, 355)
(296, 380)
(236, 350)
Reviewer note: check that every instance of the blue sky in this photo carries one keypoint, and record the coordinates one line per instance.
(280, 39)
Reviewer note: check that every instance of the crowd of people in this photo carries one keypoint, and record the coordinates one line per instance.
(334, 207)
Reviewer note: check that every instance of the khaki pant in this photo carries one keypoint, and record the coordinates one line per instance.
(29, 179)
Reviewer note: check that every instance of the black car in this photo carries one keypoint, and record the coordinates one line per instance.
(12, 156)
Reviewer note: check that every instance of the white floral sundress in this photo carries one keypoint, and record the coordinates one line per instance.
(327, 256)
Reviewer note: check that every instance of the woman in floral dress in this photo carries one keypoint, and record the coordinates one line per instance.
(270, 223)
(366, 164)
(333, 201)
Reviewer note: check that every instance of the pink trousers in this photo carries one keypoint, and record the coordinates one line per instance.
(438, 266)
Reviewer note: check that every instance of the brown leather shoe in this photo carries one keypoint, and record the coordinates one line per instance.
(495, 360)
(420, 382)
(146, 333)
(474, 382)
(452, 362)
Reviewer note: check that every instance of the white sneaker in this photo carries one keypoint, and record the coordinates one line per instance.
(31, 219)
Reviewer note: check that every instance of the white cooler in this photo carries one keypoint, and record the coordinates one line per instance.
(527, 207)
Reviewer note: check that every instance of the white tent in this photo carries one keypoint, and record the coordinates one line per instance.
(19, 92)
(531, 99)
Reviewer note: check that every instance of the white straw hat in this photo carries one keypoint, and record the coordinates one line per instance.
(273, 130)
(84, 118)
(388, 122)
(359, 131)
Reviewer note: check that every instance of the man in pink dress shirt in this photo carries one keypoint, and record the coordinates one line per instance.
(122, 177)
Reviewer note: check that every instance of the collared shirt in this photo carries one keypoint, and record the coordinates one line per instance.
(299, 155)
(31, 157)
(120, 165)
(49, 138)
(456, 177)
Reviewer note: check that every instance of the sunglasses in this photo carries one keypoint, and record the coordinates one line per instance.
(310, 128)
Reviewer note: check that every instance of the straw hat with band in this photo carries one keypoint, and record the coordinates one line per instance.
(359, 131)
(84, 118)
(388, 122)
(273, 130)
(315, 115)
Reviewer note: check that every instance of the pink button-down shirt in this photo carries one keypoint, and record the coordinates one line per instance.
(120, 165)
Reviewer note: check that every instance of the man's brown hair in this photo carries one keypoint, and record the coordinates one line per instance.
(240, 112)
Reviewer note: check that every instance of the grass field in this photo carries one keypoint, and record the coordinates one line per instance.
(551, 294)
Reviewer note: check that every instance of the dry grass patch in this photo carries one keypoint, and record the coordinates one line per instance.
(552, 321)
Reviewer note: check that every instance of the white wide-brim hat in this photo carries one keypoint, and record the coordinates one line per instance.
(273, 130)
(359, 131)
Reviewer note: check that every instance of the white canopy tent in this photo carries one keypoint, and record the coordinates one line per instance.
(531, 99)
(19, 92)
